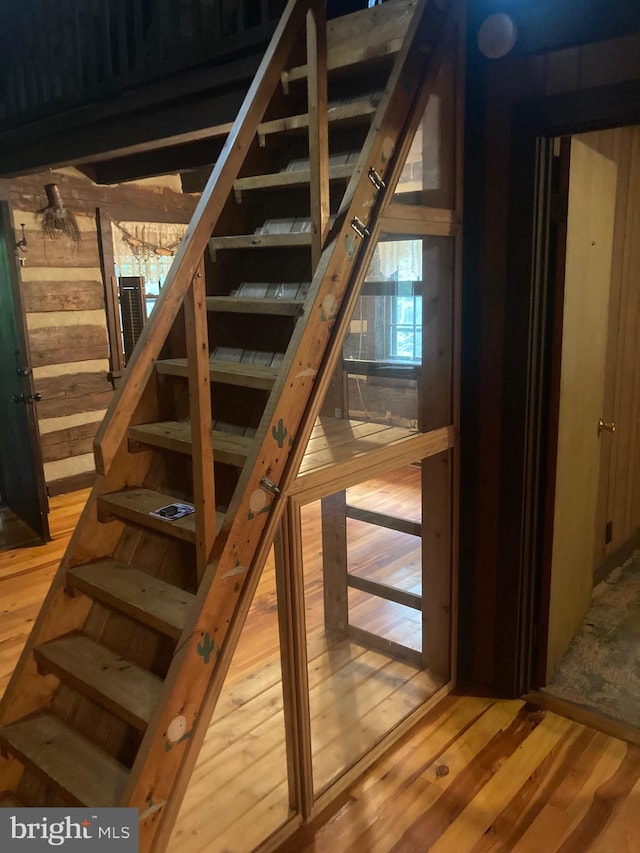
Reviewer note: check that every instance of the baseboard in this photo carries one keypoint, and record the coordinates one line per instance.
(616, 558)
(607, 725)
(71, 484)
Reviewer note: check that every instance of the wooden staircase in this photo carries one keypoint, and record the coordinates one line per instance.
(114, 691)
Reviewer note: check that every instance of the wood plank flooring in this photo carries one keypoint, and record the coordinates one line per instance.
(25, 577)
(14, 533)
(477, 774)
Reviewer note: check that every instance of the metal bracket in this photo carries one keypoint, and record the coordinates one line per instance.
(269, 486)
(375, 179)
(360, 228)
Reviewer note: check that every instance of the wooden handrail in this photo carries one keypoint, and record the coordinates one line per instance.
(158, 777)
(122, 408)
(318, 127)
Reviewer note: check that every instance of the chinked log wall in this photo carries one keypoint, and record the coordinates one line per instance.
(63, 296)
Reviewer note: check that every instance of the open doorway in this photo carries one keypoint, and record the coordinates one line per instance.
(593, 591)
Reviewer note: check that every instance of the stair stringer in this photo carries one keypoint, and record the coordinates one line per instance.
(136, 399)
(28, 690)
(160, 774)
(161, 770)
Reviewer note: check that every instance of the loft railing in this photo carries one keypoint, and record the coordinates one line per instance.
(57, 54)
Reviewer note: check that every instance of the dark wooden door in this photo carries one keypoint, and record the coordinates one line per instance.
(22, 486)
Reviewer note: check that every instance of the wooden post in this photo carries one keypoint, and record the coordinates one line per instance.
(334, 562)
(436, 564)
(293, 650)
(318, 127)
(195, 319)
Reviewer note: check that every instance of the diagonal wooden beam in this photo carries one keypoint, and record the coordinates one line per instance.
(318, 127)
(204, 500)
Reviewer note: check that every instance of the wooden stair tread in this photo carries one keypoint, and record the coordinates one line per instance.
(354, 111)
(226, 372)
(247, 305)
(283, 180)
(261, 241)
(362, 37)
(152, 601)
(79, 770)
(136, 505)
(176, 436)
(119, 685)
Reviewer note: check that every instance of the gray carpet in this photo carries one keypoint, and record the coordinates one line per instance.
(601, 668)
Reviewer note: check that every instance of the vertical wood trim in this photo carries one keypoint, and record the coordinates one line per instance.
(630, 397)
(107, 262)
(436, 564)
(456, 332)
(318, 127)
(138, 35)
(107, 12)
(334, 562)
(295, 673)
(195, 319)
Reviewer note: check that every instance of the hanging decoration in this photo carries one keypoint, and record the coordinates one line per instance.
(54, 217)
(141, 247)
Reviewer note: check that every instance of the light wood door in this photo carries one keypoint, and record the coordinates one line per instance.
(590, 218)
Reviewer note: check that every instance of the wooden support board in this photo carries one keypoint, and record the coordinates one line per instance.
(341, 451)
(226, 372)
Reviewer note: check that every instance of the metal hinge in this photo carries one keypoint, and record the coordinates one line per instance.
(360, 228)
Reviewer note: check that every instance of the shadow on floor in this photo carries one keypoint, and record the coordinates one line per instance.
(14, 533)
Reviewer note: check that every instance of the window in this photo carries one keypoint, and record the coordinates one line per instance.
(136, 258)
(405, 329)
(388, 323)
(146, 249)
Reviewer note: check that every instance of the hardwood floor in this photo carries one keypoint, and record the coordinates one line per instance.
(25, 576)
(477, 774)
(14, 533)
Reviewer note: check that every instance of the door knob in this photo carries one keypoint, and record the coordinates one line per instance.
(609, 426)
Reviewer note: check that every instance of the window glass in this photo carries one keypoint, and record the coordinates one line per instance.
(146, 249)
(397, 355)
(428, 174)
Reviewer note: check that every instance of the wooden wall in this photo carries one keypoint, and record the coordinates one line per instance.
(63, 294)
(619, 490)
(495, 88)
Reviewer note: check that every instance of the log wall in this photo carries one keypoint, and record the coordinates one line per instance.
(63, 294)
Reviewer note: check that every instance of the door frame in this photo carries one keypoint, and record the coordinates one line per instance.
(530, 409)
(8, 225)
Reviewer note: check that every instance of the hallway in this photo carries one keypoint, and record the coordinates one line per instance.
(599, 670)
